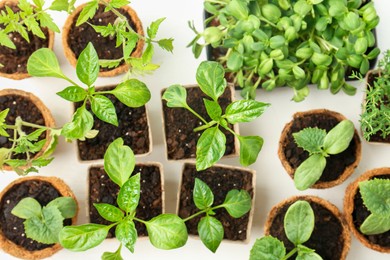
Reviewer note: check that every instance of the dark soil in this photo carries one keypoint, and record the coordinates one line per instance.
(180, 124)
(335, 164)
(15, 60)
(133, 128)
(12, 226)
(326, 238)
(220, 180)
(103, 190)
(360, 213)
(105, 47)
(23, 107)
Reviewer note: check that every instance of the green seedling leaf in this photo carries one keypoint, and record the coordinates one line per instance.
(113, 255)
(238, 9)
(6, 41)
(129, 194)
(244, 111)
(237, 203)
(153, 29)
(167, 231)
(132, 93)
(87, 67)
(35, 135)
(309, 172)
(302, 8)
(88, 12)
(166, 44)
(375, 194)
(119, 162)
(235, 61)
(27, 208)
(211, 80)
(210, 148)
(73, 94)
(81, 124)
(126, 233)
(176, 96)
(66, 205)
(250, 147)
(299, 222)
(118, 3)
(104, 109)
(203, 196)
(310, 139)
(109, 212)
(213, 109)
(339, 137)
(210, 232)
(44, 229)
(83, 237)
(47, 21)
(375, 224)
(267, 248)
(305, 253)
(44, 63)
(60, 5)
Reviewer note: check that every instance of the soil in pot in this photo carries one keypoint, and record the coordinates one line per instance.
(29, 108)
(76, 38)
(44, 190)
(338, 167)
(356, 212)
(330, 237)
(14, 61)
(103, 190)
(179, 125)
(221, 180)
(133, 127)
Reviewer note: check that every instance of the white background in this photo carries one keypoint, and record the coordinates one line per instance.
(273, 184)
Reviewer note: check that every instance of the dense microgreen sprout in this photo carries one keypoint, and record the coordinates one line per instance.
(166, 231)
(320, 145)
(376, 197)
(376, 107)
(298, 226)
(212, 142)
(211, 232)
(290, 43)
(43, 224)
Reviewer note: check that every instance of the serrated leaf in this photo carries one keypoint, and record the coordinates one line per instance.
(88, 12)
(244, 111)
(299, 222)
(60, 5)
(73, 94)
(132, 93)
(310, 139)
(339, 137)
(210, 232)
(6, 41)
(104, 109)
(119, 162)
(44, 63)
(109, 212)
(66, 205)
(210, 148)
(213, 109)
(35, 135)
(87, 67)
(47, 21)
(211, 80)
(376, 196)
(129, 194)
(237, 203)
(27, 208)
(309, 171)
(267, 248)
(119, 3)
(152, 30)
(250, 147)
(176, 96)
(126, 233)
(83, 237)
(202, 195)
(166, 44)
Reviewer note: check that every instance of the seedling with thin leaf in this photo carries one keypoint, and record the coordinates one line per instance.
(126, 36)
(211, 232)
(290, 43)
(43, 224)
(320, 145)
(212, 142)
(376, 197)
(298, 226)
(166, 231)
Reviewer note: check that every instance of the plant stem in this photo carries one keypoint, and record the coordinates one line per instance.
(202, 127)
(290, 254)
(140, 220)
(195, 215)
(196, 114)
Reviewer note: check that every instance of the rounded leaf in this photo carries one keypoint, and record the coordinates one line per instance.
(176, 96)
(27, 208)
(210, 148)
(299, 222)
(132, 93)
(104, 109)
(267, 248)
(339, 137)
(211, 80)
(244, 111)
(309, 172)
(210, 232)
(83, 237)
(203, 196)
(237, 203)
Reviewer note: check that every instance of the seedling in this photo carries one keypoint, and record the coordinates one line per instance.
(166, 231)
(212, 142)
(298, 226)
(43, 224)
(320, 145)
(376, 197)
(126, 36)
(237, 203)
(278, 42)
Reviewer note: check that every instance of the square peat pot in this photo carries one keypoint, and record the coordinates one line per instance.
(101, 189)
(179, 124)
(133, 128)
(221, 179)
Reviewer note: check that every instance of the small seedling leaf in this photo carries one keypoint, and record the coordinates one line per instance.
(126, 233)
(210, 77)
(210, 232)
(309, 172)
(203, 196)
(210, 148)
(299, 222)
(267, 248)
(237, 203)
(83, 237)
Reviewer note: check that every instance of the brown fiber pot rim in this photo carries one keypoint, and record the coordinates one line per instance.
(47, 116)
(348, 170)
(69, 54)
(13, 249)
(18, 76)
(324, 203)
(349, 206)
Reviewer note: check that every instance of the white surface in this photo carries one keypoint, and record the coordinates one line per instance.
(273, 183)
